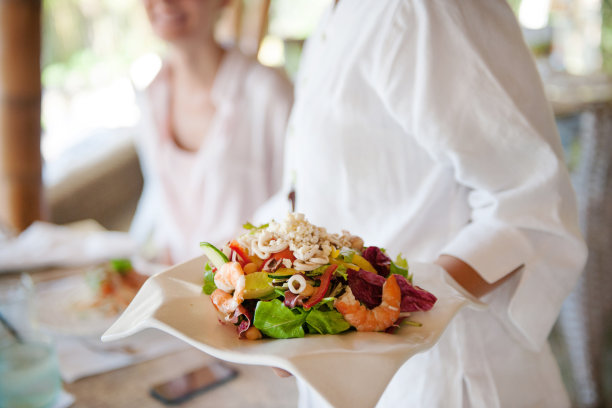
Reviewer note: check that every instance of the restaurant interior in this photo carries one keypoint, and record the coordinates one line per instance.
(70, 183)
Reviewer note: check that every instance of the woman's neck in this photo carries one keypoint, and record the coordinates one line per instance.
(196, 66)
(191, 108)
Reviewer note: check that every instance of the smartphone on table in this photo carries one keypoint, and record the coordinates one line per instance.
(186, 386)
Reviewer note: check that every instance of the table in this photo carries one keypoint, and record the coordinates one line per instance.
(254, 386)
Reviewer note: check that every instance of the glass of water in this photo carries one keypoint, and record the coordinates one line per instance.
(29, 370)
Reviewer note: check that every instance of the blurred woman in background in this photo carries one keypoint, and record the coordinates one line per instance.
(211, 142)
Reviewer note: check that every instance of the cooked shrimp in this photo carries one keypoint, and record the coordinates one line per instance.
(377, 319)
(224, 302)
(229, 278)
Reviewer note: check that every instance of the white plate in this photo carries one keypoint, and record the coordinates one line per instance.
(334, 365)
(63, 308)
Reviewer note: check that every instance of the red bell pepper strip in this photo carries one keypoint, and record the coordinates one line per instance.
(235, 246)
(322, 289)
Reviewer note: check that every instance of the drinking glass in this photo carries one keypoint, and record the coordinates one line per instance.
(29, 370)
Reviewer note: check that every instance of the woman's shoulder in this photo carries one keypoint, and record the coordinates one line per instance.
(258, 77)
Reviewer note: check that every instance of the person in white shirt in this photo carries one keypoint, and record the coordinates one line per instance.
(212, 134)
(422, 126)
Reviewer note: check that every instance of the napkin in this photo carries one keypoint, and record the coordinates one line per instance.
(333, 365)
(44, 244)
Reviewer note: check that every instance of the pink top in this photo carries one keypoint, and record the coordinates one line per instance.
(208, 195)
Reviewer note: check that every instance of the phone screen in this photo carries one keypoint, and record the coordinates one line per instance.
(185, 386)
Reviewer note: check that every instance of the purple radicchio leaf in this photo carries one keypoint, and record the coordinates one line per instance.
(414, 299)
(366, 287)
(379, 260)
(242, 319)
(292, 300)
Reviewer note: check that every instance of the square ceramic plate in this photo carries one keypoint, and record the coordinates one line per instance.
(172, 301)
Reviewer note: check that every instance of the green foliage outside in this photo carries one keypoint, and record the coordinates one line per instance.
(515, 5)
(606, 35)
(88, 42)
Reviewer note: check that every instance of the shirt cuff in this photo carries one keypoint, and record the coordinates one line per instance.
(492, 249)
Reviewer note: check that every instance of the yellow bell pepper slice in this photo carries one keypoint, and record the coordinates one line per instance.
(363, 263)
(342, 263)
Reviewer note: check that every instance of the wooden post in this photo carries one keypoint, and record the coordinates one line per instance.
(243, 24)
(20, 128)
(254, 26)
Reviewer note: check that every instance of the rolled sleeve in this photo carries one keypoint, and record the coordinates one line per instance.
(477, 242)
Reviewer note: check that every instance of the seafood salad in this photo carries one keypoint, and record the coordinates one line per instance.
(292, 278)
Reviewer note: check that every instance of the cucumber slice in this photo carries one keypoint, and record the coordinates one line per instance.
(285, 277)
(213, 254)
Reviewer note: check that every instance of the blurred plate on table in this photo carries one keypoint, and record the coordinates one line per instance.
(67, 307)
(88, 301)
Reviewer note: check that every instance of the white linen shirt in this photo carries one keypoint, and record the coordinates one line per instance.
(209, 194)
(422, 126)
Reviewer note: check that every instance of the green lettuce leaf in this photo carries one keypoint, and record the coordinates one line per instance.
(278, 321)
(317, 272)
(253, 228)
(326, 302)
(327, 322)
(209, 280)
(340, 271)
(278, 292)
(400, 266)
(347, 254)
(401, 261)
(121, 266)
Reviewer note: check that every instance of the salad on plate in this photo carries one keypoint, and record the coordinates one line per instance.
(291, 278)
